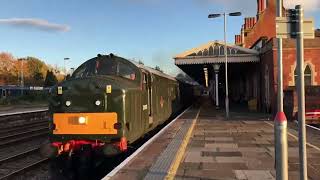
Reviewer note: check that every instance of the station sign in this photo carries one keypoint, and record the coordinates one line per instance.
(286, 27)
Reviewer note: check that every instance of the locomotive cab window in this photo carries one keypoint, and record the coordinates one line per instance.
(115, 68)
(106, 67)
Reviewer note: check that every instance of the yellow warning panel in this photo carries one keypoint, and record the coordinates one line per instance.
(108, 89)
(59, 89)
(85, 123)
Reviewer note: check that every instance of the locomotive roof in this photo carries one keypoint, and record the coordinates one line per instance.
(154, 71)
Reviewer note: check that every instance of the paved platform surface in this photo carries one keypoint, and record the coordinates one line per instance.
(201, 144)
(18, 109)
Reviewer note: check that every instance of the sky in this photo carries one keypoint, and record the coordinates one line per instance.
(153, 31)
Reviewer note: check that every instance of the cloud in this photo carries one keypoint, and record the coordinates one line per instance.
(35, 23)
(308, 5)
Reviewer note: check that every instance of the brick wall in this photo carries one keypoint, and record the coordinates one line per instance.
(265, 27)
(312, 100)
(267, 63)
(311, 58)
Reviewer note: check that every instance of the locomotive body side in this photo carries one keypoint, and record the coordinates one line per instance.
(108, 103)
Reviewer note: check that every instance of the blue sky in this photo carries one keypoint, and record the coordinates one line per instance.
(150, 30)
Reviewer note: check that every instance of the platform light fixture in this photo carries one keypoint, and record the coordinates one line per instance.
(65, 64)
(225, 52)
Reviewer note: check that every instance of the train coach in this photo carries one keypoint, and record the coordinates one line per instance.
(10, 91)
(109, 103)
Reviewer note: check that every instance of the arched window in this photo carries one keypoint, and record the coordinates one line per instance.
(216, 50)
(307, 76)
(222, 50)
(210, 51)
(228, 51)
(205, 52)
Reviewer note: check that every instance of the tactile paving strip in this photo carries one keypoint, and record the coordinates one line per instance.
(160, 169)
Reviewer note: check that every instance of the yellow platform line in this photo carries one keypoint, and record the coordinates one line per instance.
(181, 151)
(297, 139)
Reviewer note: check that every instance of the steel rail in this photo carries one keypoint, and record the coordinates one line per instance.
(25, 168)
(19, 155)
(22, 133)
(24, 126)
(24, 112)
(10, 141)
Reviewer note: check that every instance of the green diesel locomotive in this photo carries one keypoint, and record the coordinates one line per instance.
(110, 102)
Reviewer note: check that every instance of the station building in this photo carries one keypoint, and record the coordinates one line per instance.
(252, 64)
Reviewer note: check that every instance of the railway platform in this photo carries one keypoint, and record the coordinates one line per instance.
(201, 144)
(11, 110)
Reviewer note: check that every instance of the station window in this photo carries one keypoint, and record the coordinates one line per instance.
(221, 50)
(216, 50)
(307, 76)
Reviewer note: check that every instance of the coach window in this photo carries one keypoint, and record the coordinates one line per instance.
(145, 78)
(4, 94)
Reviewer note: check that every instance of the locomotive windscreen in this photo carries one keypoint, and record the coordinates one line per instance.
(105, 67)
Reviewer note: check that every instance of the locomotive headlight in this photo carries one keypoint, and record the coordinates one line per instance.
(68, 103)
(97, 103)
(82, 120)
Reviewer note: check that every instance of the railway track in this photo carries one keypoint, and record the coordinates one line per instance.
(25, 118)
(19, 163)
(20, 143)
(35, 124)
(22, 136)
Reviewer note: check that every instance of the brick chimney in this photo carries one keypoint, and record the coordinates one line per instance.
(242, 36)
(246, 23)
(260, 7)
(249, 22)
(238, 40)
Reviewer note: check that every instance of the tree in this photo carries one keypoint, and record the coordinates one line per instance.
(8, 68)
(50, 80)
(37, 69)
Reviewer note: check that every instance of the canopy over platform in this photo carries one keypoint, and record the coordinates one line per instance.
(199, 62)
(213, 52)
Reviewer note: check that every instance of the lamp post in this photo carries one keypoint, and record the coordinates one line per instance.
(22, 78)
(71, 71)
(65, 65)
(225, 53)
(216, 70)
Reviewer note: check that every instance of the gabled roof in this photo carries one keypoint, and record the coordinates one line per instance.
(216, 48)
(213, 52)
